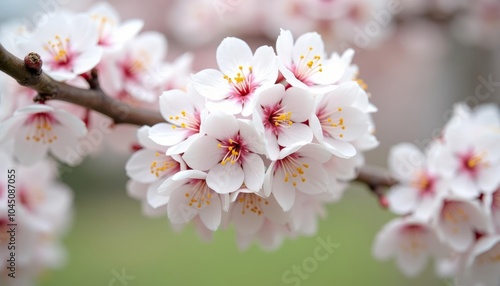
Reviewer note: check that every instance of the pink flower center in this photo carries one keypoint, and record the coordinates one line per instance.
(242, 85)
(425, 184)
(60, 51)
(275, 118)
(234, 150)
(186, 120)
(471, 162)
(41, 128)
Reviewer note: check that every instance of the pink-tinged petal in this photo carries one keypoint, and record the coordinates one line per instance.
(355, 121)
(315, 152)
(402, 199)
(316, 127)
(10, 126)
(225, 179)
(272, 147)
(228, 106)
(178, 209)
(127, 30)
(405, 160)
(138, 166)
(87, 60)
(305, 42)
(173, 102)
(166, 134)
(28, 152)
(60, 75)
(153, 44)
(211, 84)
(249, 106)
(386, 240)
(211, 215)
(412, 263)
(203, 154)
(343, 95)
(189, 174)
(427, 207)
(284, 47)
(250, 137)
(85, 35)
(283, 192)
(221, 126)
(290, 77)
(232, 53)
(169, 186)
(339, 148)
(245, 221)
(271, 96)
(299, 102)
(297, 132)
(316, 178)
(71, 122)
(254, 170)
(459, 236)
(136, 190)
(155, 199)
(183, 145)
(268, 179)
(145, 141)
(264, 67)
(489, 178)
(65, 148)
(464, 187)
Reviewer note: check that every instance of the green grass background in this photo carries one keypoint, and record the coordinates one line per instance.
(110, 233)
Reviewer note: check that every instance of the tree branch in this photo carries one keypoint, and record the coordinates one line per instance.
(27, 74)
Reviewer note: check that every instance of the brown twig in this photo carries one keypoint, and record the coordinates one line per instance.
(28, 73)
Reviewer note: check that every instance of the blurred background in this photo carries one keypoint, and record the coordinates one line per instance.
(426, 56)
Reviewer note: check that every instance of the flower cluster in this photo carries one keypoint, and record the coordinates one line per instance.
(34, 215)
(131, 67)
(261, 142)
(448, 199)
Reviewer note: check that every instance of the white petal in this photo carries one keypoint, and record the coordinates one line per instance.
(297, 132)
(166, 134)
(299, 102)
(28, 152)
(283, 192)
(402, 199)
(211, 84)
(254, 170)
(211, 215)
(232, 53)
(221, 126)
(225, 179)
(405, 160)
(203, 154)
(87, 60)
(464, 187)
(284, 46)
(264, 67)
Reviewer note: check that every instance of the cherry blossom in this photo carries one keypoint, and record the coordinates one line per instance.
(233, 89)
(229, 152)
(67, 44)
(281, 116)
(38, 128)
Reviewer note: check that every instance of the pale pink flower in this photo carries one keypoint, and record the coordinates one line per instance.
(37, 129)
(67, 45)
(410, 241)
(229, 152)
(340, 118)
(113, 34)
(457, 221)
(189, 195)
(482, 263)
(298, 168)
(184, 113)
(281, 117)
(234, 88)
(421, 189)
